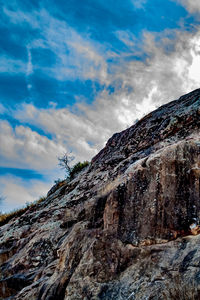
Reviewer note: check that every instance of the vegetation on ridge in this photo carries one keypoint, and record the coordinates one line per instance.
(71, 172)
(77, 168)
(64, 162)
(6, 217)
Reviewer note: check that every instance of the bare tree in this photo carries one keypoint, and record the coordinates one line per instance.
(64, 163)
(71, 170)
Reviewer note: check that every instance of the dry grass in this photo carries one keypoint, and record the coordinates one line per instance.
(5, 218)
(41, 199)
(61, 183)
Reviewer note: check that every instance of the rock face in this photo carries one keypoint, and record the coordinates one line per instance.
(125, 228)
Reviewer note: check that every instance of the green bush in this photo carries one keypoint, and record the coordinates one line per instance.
(77, 168)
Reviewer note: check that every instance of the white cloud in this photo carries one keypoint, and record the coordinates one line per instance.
(97, 68)
(76, 56)
(126, 37)
(18, 16)
(167, 71)
(192, 6)
(18, 192)
(73, 132)
(194, 69)
(29, 70)
(140, 88)
(23, 148)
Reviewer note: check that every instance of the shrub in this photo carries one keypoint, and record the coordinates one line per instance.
(77, 168)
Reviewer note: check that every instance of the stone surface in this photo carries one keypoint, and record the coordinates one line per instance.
(127, 227)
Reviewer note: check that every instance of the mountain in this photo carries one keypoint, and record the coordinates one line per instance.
(126, 227)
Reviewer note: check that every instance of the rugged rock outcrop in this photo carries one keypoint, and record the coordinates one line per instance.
(124, 228)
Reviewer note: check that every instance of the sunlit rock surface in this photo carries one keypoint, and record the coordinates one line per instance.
(125, 228)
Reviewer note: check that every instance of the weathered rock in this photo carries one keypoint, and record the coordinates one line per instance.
(124, 228)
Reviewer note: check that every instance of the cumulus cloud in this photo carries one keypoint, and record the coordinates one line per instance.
(74, 132)
(23, 148)
(168, 67)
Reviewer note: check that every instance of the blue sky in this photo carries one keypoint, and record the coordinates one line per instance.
(74, 72)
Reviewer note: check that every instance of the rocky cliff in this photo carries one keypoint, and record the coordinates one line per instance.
(125, 228)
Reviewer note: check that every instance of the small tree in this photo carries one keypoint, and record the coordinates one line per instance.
(64, 163)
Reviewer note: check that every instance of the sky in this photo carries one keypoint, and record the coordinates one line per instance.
(72, 73)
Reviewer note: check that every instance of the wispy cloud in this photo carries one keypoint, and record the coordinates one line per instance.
(11, 66)
(139, 3)
(18, 16)
(77, 56)
(29, 69)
